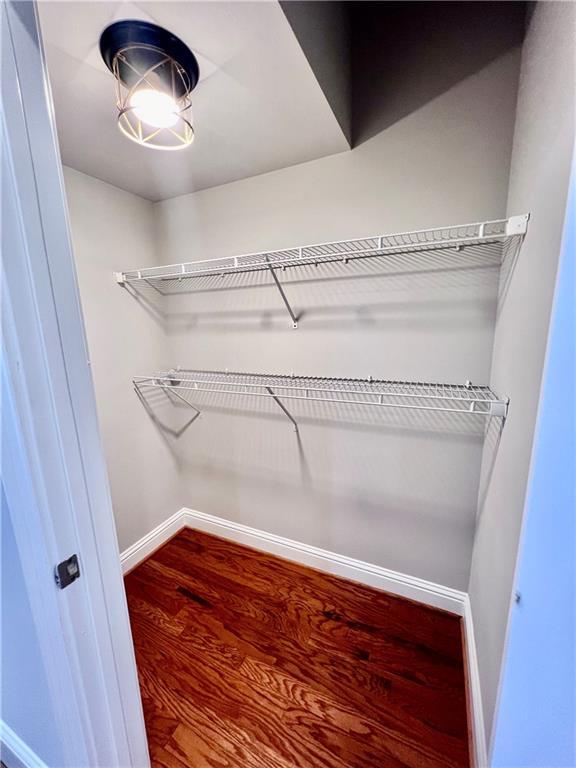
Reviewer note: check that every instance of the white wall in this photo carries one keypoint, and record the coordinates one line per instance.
(397, 493)
(112, 228)
(526, 733)
(543, 142)
(402, 495)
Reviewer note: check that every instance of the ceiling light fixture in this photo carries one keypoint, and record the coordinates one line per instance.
(155, 74)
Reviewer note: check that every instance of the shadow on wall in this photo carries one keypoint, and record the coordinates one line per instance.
(490, 452)
(405, 54)
(405, 290)
(327, 492)
(174, 411)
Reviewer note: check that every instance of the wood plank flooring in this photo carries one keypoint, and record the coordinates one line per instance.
(246, 660)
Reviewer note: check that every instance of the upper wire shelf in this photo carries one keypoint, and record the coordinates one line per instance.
(168, 279)
(468, 399)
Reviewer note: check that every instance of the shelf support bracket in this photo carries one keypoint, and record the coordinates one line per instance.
(281, 290)
(179, 396)
(283, 407)
(174, 432)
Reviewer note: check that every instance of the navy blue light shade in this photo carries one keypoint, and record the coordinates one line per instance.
(151, 44)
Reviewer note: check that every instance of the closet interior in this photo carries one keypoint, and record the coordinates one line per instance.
(316, 453)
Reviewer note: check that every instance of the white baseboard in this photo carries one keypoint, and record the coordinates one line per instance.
(422, 591)
(144, 547)
(14, 753)
(475, 690)
(366, 573)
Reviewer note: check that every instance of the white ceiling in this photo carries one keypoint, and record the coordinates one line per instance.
(258, 106)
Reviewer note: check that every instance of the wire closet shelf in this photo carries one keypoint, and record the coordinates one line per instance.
(174, 278)
(468, 399)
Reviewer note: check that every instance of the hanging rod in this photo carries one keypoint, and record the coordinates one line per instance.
(468, 399)
(169, 278)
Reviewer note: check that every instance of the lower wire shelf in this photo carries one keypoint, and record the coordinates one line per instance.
(467, 399)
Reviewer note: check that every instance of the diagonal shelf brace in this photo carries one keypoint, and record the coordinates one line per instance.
(174, 432)
(283, 407)
(284, 299)
(179, 396)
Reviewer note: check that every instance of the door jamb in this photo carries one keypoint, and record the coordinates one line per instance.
(94, 644)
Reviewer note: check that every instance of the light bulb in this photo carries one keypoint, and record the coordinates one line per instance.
(154, 108)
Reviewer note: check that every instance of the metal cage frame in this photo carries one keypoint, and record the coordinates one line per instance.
(129, 122)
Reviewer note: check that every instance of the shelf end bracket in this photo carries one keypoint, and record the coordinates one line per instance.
(499, 408)
(119, 277)
(281, 290)
(283, 407)
(517, 225)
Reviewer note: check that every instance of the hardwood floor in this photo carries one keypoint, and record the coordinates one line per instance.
(246, 660)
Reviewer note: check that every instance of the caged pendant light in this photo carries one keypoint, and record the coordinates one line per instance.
(155, 74)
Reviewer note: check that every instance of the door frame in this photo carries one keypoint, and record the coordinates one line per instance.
(53, 467)
(524, 727)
